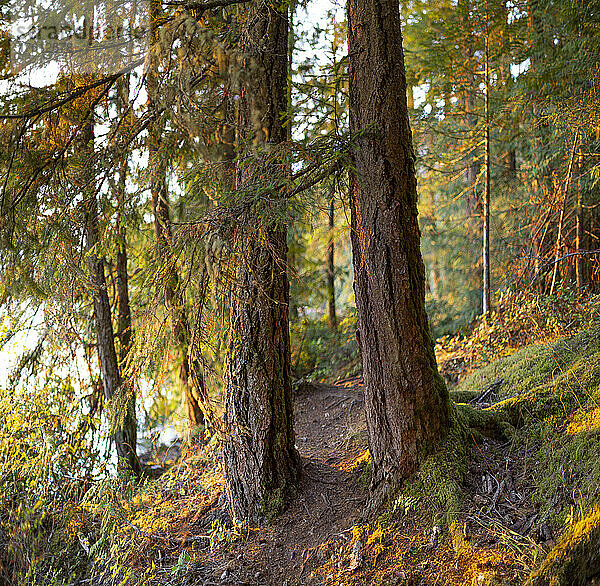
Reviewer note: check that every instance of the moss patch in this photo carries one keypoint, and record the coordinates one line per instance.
(575, 559)
(551, 395)
(437, 486)
(565, 362)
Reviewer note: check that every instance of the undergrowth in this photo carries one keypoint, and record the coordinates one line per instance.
(518, 319)
(324, 354)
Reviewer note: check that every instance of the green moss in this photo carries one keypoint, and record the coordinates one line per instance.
(576, 557)
(463, 396)
(551, 395)
(273, 504)
(484, 421)
(363, 469)
(436, 488)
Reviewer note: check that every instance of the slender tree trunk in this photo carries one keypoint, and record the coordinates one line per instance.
(125, 429)
(124, 328)
(331, 313)
(486, 195)
(292, 4)
(509, 157)
(191, 371)
(579, 232)
(410, 97)
(472, 203)
(259, 458)
(124, 324)
(406, 400)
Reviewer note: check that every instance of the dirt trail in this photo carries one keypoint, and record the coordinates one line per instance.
(314, 541)
(330, 435)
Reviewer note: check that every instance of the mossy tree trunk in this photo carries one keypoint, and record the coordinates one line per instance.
(259, 457)
(406, 400)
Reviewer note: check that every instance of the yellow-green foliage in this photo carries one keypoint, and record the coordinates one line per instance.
(544, 380)
(519, 320)
(576, 557)
(45, 466)
(363, 468)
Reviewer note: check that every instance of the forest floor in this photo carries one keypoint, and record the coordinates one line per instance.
(322, 538)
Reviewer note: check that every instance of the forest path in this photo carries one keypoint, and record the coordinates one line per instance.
(330, 435)
(321, 539)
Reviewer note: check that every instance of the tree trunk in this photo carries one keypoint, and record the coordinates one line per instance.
(580, 232)
(561, 218)
(259, 458)
(125, 428)
(190, 372)
(406, 400)
(331, 313)
(486, 195)
(124, 324)
(292, 273)
(124, 329)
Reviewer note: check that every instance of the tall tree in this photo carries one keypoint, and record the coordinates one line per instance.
(406, 401)
(486, 296)
(260, 460)
(124, 325)
(125, 424)
(331, 311)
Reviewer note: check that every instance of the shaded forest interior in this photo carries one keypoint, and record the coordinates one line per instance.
(300, 292)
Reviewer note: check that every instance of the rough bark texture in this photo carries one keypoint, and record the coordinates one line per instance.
(125, 433)
(190, 372)
(259, 457)
(406, 401)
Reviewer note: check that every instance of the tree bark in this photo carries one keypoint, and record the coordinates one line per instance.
(580, 231)
(125, 428)
(259, 458)
(406, 400)
(561, 218)
(191, 371)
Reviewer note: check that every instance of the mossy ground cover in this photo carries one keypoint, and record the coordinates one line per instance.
(519, 319)
(538, 440)
(550, 396)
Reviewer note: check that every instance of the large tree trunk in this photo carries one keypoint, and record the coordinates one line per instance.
(259, 457)
(125, 428)
(191, 370)
(406, 400)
